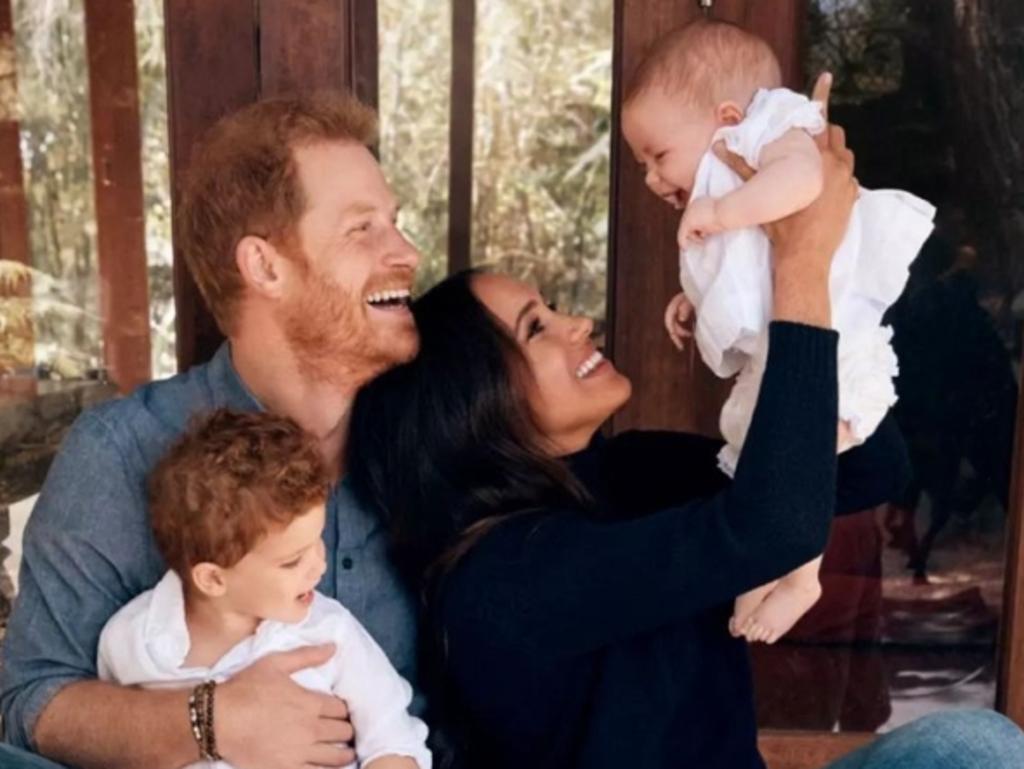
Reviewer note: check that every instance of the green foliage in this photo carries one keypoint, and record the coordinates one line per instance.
(541, 138)
(56, 146)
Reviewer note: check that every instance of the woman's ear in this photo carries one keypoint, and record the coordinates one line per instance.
(260, 265)
(209, 579)
(728, 113)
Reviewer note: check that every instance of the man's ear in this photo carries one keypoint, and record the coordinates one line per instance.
(209, 579)
(728, 113)
(260, 265)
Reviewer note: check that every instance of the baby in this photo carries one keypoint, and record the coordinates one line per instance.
(238, 507)
(708, 82)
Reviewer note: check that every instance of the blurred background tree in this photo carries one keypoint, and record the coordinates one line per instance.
(53, 101)
(541, 138)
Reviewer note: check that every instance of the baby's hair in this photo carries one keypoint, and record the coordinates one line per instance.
(705, 63)
(230, 479)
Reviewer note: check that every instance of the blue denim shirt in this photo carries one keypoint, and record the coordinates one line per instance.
(88, 547)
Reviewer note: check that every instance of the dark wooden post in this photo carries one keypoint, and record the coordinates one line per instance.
(117, 163)
(1010, 692)
(460, 141)
(14, 242)
(212, 69)
(224, 55)
(671, 390)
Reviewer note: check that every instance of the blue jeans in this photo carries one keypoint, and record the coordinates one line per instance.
(967, 739)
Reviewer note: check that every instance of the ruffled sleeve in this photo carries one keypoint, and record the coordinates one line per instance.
(770, 115)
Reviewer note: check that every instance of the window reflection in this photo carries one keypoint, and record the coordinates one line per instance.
(913, 591)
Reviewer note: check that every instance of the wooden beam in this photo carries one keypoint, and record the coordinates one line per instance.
(117, 162)
(14, 239)
(1010, 686)
(460, 135)
(212, 69)
(224, 55)
(670, 390)
(807, 750)
(303, 46)
(364, 51)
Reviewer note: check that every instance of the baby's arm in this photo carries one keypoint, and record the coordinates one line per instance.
(789, 179)
(387, 736)
(392, 762)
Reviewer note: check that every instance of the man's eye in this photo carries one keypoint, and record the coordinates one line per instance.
(361, 227)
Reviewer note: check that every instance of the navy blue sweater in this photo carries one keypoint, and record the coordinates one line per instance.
(580, 640)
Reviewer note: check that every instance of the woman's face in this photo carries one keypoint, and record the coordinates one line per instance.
(574, 388)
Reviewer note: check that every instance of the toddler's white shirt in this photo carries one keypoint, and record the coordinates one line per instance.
(146, 642)
(728, 279)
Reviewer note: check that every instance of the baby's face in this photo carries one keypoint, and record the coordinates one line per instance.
(668, 140)
(275, 580)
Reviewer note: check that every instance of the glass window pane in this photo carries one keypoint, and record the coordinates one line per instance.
(149, 36)
(913, 591)
(56, 152)
(414, 90)
(541, 150)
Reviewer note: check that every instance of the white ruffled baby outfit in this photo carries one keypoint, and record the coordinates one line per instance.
(728, 280)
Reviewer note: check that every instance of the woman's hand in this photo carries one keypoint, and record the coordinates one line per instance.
(804, 242)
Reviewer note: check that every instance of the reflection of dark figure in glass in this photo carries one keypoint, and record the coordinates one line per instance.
(957, 394)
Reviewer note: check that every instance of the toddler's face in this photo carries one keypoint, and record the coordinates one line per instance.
(668, 139)
(275, 580)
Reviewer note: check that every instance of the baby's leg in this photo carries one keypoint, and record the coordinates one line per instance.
(746, 605)
(792, 597)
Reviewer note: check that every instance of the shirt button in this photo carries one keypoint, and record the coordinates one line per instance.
(346, 563)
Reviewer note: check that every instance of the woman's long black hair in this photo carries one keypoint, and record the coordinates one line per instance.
(444, 447)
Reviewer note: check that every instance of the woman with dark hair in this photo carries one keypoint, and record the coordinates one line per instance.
(578, 590)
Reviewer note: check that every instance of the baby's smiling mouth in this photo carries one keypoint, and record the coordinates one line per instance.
(677, 199)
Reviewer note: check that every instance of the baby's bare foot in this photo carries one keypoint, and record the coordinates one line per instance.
(780, 610)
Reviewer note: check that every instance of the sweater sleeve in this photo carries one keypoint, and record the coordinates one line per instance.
(564, 584)
(646, 470)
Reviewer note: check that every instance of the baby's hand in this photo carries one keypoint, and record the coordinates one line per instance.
(677, 316)
(700, 219)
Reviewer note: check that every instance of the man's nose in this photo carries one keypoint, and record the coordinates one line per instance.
(402, 253)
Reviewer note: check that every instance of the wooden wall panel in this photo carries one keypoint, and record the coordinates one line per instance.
(226, 54)
(671, 390)
(14, 242)
(303, 46)
(807, 750)
(460, 135)
(117, 163)
(212, 69)
(1010, 693)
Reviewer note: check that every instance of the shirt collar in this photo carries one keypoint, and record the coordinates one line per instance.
(226, 385)
(166, 632)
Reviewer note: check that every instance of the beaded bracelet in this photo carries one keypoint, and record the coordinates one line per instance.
(200, 717)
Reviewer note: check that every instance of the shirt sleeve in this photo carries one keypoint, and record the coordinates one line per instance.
(378, 699)
(80, 540)
(563, 584)
(770, 115)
